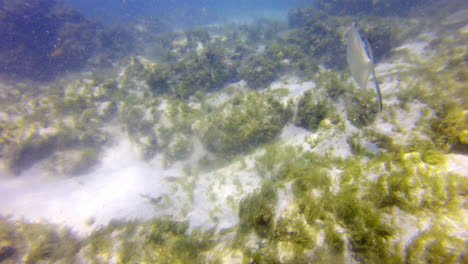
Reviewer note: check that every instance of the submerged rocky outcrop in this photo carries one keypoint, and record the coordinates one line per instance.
(42, 39)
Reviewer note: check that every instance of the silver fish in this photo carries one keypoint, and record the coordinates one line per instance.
(360, 60)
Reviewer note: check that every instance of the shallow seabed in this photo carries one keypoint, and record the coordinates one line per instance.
(159, 162)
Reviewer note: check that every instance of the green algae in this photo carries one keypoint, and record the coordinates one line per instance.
(157, 80)
(259, 71)
(321, 39)
(451, 127)
(37, 242)
(414, 185)
(257, 211)
(245, 122)
(333, 84)
(64, 118)
(435, 245)
(279, 58)
(440, 87)
(381, 140)
(409, 178)
(168, 241)
(357, 148)
(361, 108)
(310, 113)
(334, 240)
(205, 67)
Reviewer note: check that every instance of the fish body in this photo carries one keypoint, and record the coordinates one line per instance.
(360, 60)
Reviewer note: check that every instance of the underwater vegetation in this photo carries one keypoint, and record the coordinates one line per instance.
(390, 197)
(259, 70)
(310, 113)
(61, 129)
(205, 70)
(336, 213)
(42, 38)
(442, 87)
(451, 128)
(361, 108)
(356, 212)
(156, 241)
(35, 242)
(319, 34)
(257, 211)
(243, 123)
(323, 41)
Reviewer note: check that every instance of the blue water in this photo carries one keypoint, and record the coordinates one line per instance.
(128, 10)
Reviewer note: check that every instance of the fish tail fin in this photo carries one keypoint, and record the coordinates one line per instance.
(377, 89)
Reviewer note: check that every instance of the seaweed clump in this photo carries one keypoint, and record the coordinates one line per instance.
(244, 122)
(159, 240)
(333, 84)
(257, 211)
(310, 113)
(451, 127)
(261, 69)
(33, 243)
(204, 70)
(319, 38)
(361, 108)
(63, 129)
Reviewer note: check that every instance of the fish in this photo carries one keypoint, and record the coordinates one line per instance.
(361, 60)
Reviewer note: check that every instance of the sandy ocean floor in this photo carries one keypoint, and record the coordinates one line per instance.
(118, 187)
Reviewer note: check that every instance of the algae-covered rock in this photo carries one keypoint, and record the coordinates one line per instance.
(205, 69)
(51, 39)
(311, 112)
(243, 122)
(36, 243)
(361, 108)
(159, 240)
(451, 127)
(323, 40)
(259, 70)
(57, 118)
(333, 84)
(157, 80)
(26, 152)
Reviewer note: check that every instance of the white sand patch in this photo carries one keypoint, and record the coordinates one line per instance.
(285, 200)
(217, 196)
(294, 135)
(458, 163)
(113, 191)
(294, 85)
(124, 187)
